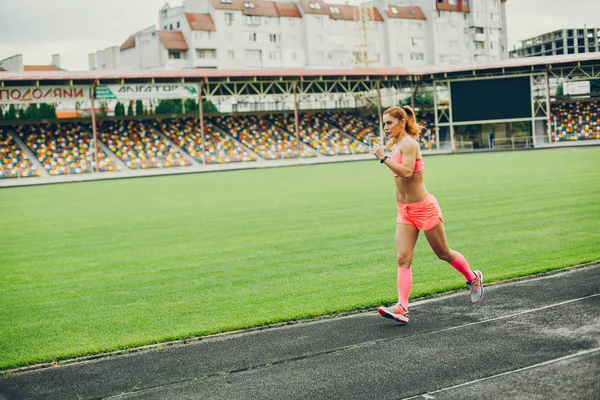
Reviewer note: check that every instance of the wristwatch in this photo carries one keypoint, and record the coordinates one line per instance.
(383, 159)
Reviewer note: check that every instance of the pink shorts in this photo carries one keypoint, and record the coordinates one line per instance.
(424, 214)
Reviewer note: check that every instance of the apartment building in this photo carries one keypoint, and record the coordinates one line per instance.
(563, 41)
(315, 34)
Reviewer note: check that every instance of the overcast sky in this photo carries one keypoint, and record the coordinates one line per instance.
(74, 28)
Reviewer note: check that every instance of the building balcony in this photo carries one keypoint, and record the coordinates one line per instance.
(479, 37)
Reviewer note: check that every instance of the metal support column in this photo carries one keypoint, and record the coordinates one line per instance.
(201, 120)
(379, 116)
(95, 136)
(296, 118)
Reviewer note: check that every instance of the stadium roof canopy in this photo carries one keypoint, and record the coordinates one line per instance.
(278, 81)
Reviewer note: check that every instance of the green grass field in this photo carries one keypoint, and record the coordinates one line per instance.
(99, 266)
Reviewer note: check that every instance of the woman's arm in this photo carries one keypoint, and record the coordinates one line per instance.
(409, 157)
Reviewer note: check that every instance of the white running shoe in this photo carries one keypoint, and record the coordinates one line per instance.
(396, 312)
(476, 288)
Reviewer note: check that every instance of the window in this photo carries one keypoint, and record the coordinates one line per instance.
(171, 27)
(273, 38)
(415, 26)
(292, 21)
(253, 55)
(453, 44)
(319, 22)
(228, 18)
(251, 37)
(394, 10)
(495, 17)
(314, 6)
(252, 20)
(452, 2)
(166, 27)
(294, 55)
(225, 1)
(417, 56)
(206, 53)
(274, 55)
(415, 41)
(174, 55)
(178, 24)
(334, 10)
(230, 54)
(248, 4)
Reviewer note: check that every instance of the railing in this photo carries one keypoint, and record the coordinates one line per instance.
(464, 145)
(512, 143)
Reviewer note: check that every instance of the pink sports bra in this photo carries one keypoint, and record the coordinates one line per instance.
(397, 157)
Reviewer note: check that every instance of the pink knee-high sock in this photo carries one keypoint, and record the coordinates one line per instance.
(462, 266)
(404, 286)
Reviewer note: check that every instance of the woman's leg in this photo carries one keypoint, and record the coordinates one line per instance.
(439, 244)
(406, 239)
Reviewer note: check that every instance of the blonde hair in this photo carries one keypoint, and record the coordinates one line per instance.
(407, 113)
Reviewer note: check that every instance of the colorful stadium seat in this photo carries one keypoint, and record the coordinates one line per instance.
(139, 146)
(266, 140)
(14, 163)
(64, 148)
(185, 133)
(575, 121)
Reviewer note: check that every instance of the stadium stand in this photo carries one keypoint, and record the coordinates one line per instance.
(352, 124)
(64, 148)
(185, 133)
(575, 121)
(138, 146)
(264, 139)
(14, 163)
(320, 135)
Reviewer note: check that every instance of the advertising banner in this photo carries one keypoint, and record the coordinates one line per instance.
(574, 88)
(147, 91)
(43, 94)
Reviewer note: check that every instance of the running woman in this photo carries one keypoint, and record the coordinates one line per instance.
(418, 210)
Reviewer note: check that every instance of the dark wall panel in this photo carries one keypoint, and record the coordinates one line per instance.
(491, 99)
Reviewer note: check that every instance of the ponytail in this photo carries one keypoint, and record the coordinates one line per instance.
(412, 127)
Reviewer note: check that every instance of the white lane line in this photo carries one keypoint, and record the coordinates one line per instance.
(430, 395)
(562, 303)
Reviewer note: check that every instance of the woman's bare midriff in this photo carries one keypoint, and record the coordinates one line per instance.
(410, 190)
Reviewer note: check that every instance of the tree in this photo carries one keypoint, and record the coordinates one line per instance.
(130, 109)
(1, 113)
(52, 111)
(139, 108)
(11, 115)
(119, 109)
(424, 98)
(560, 90)
(209, 106)
(595, 86)
(190, 106)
